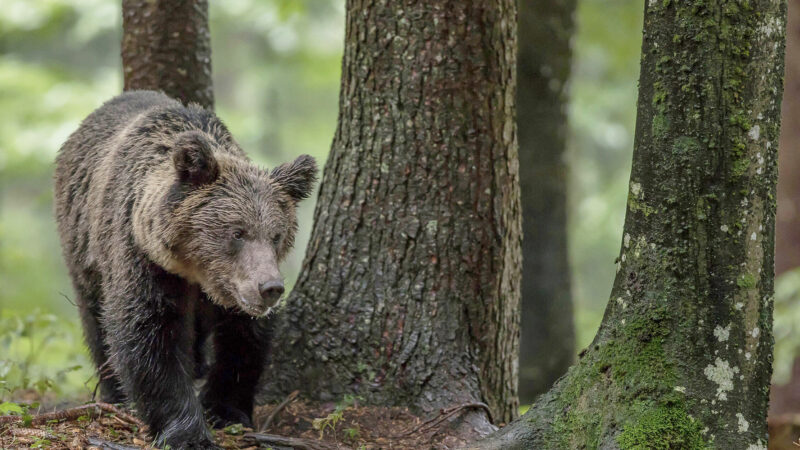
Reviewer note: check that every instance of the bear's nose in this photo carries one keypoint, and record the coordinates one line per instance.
(271, 291)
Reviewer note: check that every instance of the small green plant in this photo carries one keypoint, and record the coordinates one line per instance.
(352, 433)
(39, 351)
(235, 429)
(329, 422)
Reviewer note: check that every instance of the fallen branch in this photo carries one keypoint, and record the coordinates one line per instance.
(300, 443)
(444, 414)
(274, 413)
(74, 413)
(32, 432)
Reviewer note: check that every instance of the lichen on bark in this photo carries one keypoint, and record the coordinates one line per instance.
(684, 350)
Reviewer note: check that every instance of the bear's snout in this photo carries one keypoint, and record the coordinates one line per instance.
(271, 291)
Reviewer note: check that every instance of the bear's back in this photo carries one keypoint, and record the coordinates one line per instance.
(82, 171)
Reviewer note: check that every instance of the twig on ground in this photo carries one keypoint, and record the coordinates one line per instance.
(109, 408)
(303, 444)
(97, 442)
(32, 432)
(274, 413)
(74, 413)
(444, 414)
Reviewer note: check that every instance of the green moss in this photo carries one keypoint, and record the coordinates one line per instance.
(663, 427)
(635, 204)
(660, 126)
(746, 281)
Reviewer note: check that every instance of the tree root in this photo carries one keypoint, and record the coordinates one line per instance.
(444, 414)
(272, 415)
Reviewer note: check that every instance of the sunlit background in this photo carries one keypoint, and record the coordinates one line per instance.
(276, 66)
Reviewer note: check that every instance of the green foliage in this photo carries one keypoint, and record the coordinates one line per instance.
(235, 429)
(330, 421)
(9, 408)
(42, 353)
(787, 324)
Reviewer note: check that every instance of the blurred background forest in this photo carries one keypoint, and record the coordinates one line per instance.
(276, 67)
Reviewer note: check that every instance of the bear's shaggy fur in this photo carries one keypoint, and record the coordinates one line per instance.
(171, 234)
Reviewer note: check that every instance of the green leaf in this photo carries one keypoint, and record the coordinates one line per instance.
(235, 429)
(7, 408)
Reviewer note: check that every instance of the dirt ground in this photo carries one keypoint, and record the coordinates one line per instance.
(295, 424)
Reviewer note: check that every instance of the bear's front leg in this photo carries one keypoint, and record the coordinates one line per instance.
(240, 348)
(149, 331)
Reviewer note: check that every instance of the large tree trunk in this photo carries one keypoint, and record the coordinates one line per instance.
(683, 356)
(409, 293)
(166, 46)
(547, 343)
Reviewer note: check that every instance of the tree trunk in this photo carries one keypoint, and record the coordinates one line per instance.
(547, 344)
(409, 293)
(166, 46)
(683, 356)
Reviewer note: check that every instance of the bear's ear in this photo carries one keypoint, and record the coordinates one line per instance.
(297, 177)
(194, 160)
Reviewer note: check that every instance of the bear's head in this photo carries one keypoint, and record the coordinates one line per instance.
(227, 224)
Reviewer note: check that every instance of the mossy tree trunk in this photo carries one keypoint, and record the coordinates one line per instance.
(409, 293)
(166, 46)
(683, 356)
(547, 340)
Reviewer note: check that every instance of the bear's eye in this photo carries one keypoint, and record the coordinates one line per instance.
(276, 239)
(238, 235)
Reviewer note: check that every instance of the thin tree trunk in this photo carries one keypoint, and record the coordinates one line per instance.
(683, 356)
(409, 293)
(547, 344)
(166, 46)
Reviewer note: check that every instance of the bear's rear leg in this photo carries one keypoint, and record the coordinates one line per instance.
(240, 347)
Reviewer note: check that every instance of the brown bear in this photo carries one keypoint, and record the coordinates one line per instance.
(171, 234)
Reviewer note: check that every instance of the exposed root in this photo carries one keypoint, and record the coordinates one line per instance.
(274, 413)
(444, 414)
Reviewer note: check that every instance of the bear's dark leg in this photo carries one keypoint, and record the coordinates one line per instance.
(150, 331)
(88, 290)
(240, 345)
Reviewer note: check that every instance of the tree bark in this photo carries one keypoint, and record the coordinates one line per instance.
(547, 343)
(683, 356)
(166, 46)
(409, 292)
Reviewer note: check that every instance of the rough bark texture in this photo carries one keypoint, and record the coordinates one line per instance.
(683, 356)
(547, 343)
(166, 46)
(409, 293)
(787, 230)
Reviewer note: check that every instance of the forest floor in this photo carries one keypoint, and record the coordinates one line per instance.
(292, 424)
